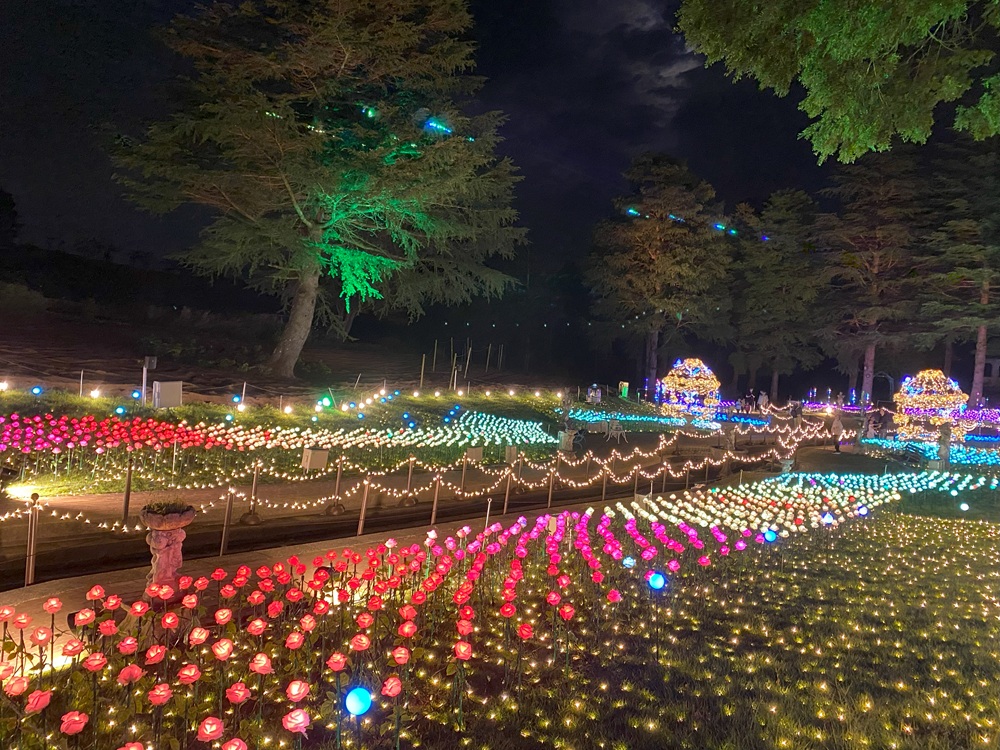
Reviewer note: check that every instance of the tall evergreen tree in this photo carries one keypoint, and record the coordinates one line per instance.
(657, 270)
(869, 249)
(962, 298)
(775, 311)
(327, 139)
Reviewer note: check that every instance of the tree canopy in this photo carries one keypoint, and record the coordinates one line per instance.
(329, 142)
(871, 71)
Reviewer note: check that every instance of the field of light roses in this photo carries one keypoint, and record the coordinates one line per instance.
(764, 616)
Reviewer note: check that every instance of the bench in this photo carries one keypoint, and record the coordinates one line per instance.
(912, 457)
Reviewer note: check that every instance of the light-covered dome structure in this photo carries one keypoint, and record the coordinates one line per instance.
(928, 401)
(691, 389)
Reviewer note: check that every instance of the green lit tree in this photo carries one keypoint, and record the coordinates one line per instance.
(961, 301)
(657, 271)
(327, 140)
(867, 254)
(775, 305)
(871, 71)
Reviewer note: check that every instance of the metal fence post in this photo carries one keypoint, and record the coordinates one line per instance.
(663, 488)
(552, 484)
(225, 523)
(465, 465)
(434, 506)
(364, 506)
(29, 560)
(409, 475)
(506, 494)
(250, 518)
(128, 487)
(604, 488)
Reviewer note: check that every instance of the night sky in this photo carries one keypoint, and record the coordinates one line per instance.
(586, 84)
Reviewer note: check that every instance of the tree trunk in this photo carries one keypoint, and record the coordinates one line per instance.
(980, 368)
(949, 356)
(349, 321)
(774, 386)
(734, 386)
(868, 379)
(752, 379)
(652, 345)
(300, 320)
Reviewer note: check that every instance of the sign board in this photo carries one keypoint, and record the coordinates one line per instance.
(474, 454)
(167, 395)
(314, 458)
(593, 395)
(510, 454)
(623, 389)
(566, 440)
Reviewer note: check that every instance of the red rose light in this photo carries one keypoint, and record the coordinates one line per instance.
(73, 723)
(155, 654)
(84, 617)
(508, 610)
(297, 690)
(237, 693)
(360, 642)
(463, 650)
(234, 744)
(294, 640)
(37, 701)
(108, 628)
(52, 605)
(256, 627)
(73, 647)
(130, 674)
(566, 612)
(128, 645)
(40, 636)
(223, 649)
(95, 662)
(553, 598)
(197, 636)
(210, 729)
(188, 674)
(337, 662)
(261, 664)
(392, 686)
(223, 616)
(365, 620)
(401, 655)
(95, 593)
(407, 629)
(16, 686)
(296, 721)
(170, 621)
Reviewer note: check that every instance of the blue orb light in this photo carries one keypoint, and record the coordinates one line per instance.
(657, 581)
(862, 510)
(963, 507)
(236, 399)
(120, 410)
(629, 562)
(36, 391)
(360, 415)
(770, 535)
(229, 417)
(136, 395)
(827, 518)
(358, 701)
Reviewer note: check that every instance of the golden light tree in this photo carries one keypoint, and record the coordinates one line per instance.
(690, 388)
(928, 401)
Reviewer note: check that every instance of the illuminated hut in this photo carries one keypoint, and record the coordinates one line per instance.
(690, 389)
(928, 401)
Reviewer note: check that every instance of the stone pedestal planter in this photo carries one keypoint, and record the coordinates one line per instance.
(166, 540)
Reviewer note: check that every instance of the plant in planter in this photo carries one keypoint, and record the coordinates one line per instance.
(166, 522)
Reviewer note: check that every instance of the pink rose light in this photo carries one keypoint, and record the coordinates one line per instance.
(73, 722)
(297, 690)
(210, 729)
(37, 701)
(296, 721)
(237, 693)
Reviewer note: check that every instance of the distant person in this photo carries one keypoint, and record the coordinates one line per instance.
(883, 424)
(837, 429)
(762, 400)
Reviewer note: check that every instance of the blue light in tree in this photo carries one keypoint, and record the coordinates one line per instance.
(437, 126)
(770, 535)
(657, 581)
(633, 212)
(36, 391)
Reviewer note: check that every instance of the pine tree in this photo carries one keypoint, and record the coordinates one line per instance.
(962, 298)
(776, 305)
(327, 139)
(868, 251)
(872, 72)
(657, 270)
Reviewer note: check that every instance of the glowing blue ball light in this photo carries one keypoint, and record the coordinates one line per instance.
(358, 701)
(862, 510)
(236, 399)
(36, 391)
(360, 415)
(136, 395)
(963, 507)
(120, 410)
(629, 562)
(827, 518)
(657, 581)
(770, 535)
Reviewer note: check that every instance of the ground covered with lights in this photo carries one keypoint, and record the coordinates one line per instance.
(805, 611)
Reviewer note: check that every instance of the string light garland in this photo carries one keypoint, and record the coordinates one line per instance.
(926, 403)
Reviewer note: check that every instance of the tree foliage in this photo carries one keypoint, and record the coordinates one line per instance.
(659, 266)
(871, 71)
(776, 294)
(327, 139)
